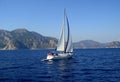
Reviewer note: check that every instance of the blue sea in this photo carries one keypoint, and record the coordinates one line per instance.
(87, 65)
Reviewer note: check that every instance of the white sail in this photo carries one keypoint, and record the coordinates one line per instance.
(61, 42)
(69, 46)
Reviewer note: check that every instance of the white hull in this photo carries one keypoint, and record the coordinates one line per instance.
(59, 56)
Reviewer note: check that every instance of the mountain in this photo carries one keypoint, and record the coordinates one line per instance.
(95, 44)
(87, 44)
(24, 39)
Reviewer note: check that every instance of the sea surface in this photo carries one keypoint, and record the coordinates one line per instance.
(87, 65)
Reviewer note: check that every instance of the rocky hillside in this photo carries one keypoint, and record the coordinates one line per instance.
(24, 39)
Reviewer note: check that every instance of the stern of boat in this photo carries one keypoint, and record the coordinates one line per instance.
(50, 56)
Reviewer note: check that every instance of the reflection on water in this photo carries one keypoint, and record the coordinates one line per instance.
(62, 69)
(65, 70)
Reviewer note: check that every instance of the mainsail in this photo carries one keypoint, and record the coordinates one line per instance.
(69, 46)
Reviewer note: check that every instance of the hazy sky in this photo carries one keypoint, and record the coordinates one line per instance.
(97, 20)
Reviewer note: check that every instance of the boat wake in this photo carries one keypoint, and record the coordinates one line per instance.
(46, 60)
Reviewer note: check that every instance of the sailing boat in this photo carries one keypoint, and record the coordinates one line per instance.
(65, 47)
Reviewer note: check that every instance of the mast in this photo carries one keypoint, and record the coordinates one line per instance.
(61, 43)
(69, 46)
(67, 34)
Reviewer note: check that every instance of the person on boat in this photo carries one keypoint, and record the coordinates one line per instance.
(54, 53)
(51, 54)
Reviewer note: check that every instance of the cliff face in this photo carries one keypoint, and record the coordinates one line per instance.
(24, 39)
